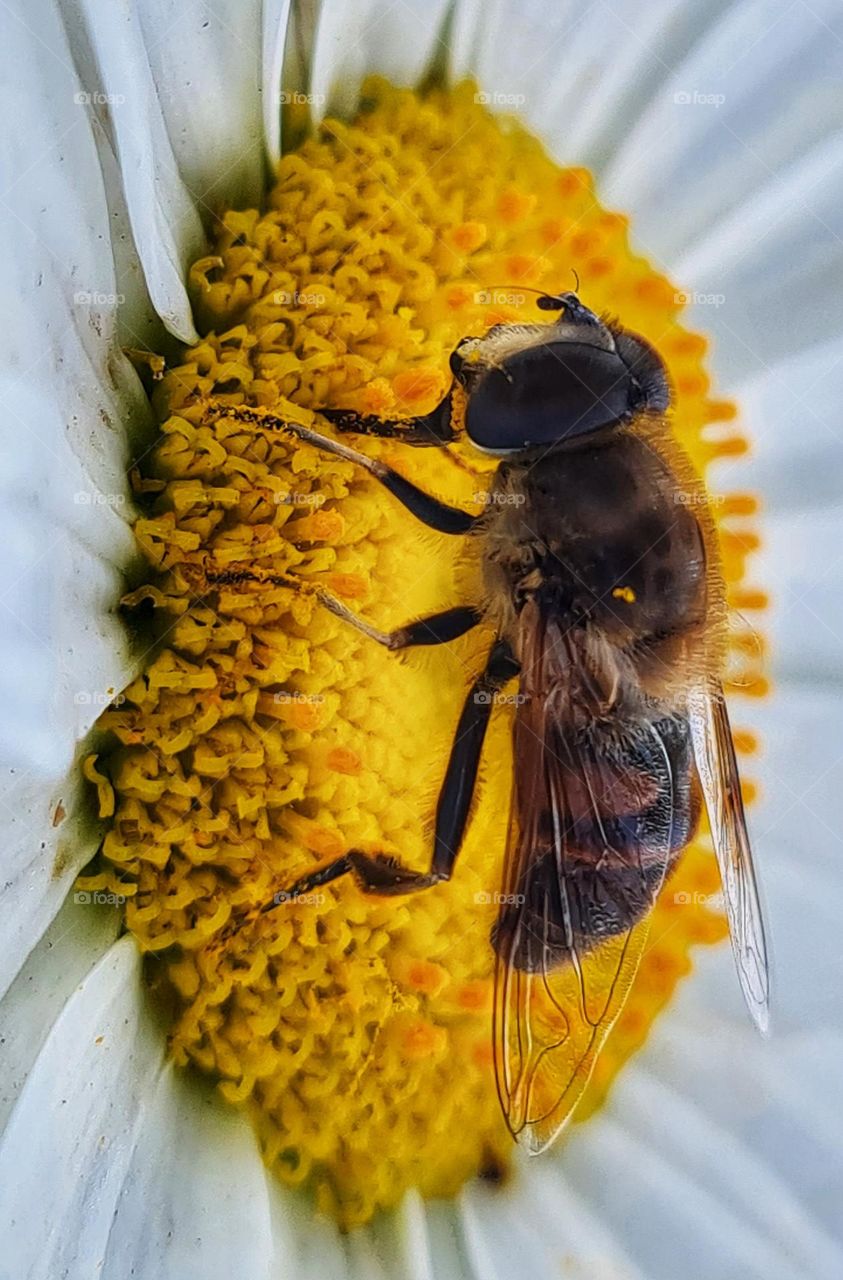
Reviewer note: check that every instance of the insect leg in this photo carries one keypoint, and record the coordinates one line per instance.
(435, 514)
(438, 628)
(379, 874)
(432, 428)
(458, 786)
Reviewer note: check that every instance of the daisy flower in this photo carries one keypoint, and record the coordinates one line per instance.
(234, 206)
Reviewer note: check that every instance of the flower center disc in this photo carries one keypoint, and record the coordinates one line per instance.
(266, 736)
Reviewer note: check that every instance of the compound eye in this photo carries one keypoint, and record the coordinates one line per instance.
(549, 394)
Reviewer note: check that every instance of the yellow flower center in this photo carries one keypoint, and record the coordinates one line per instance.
(266, 736)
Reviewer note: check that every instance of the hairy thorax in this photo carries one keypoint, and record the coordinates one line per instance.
(602, 536)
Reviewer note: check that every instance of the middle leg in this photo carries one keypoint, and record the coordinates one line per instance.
(437, 628)
(379, 874)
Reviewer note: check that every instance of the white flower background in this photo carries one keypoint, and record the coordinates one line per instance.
(719, 128)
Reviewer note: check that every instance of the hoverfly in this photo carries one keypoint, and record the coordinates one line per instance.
(608, 604)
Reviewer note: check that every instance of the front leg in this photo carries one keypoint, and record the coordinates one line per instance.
(435, 428)
(378, 874)
(432, 429)
(435, 514)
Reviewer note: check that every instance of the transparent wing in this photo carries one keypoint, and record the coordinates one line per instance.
(597, 821)
(718, 773)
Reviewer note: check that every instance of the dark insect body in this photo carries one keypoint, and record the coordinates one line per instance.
(604, 590)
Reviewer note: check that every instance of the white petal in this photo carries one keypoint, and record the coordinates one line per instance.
(771, 267)
(702, 158)
(205, 65)
(671, 105)
(114, 69)
(780, 1097)
(738, 201)
(275, 25)
(579, 75)
(355, 39)
(791, 413)
(689, 1193)
(72, 945)
(113, 1161)
(539, 1226)
(798, 846)
(404, 1236)
(402, 1243)
(801, 564)
(194, 1200)
(71, 405)
(695, 1143)
(188, 139)
(801, 731)
(188, 99)
(306, 1245)
(68, 1146)
(798, 852)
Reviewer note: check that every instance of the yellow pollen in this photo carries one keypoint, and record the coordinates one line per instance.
(415, 389)
(624, 593)
(265, 736)
(468, 236)
(515, 204)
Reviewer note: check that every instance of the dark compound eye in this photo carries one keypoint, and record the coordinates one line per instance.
(561, 390)
(546, 394)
